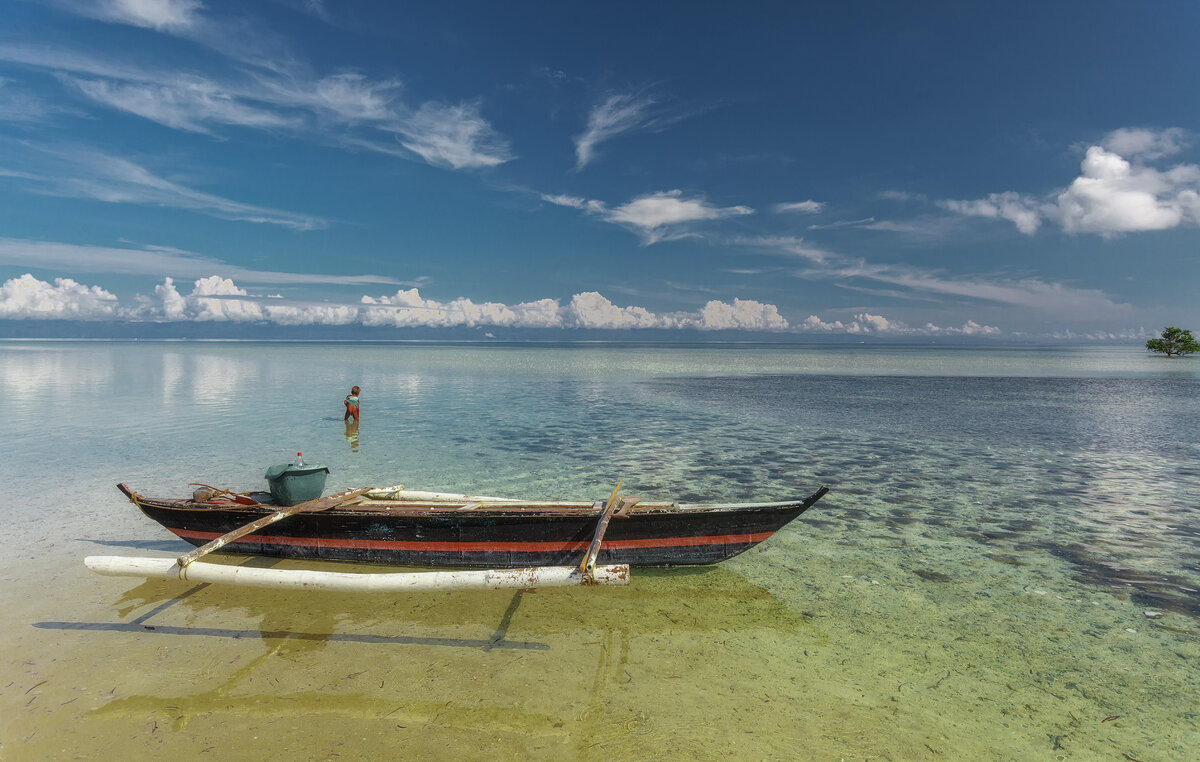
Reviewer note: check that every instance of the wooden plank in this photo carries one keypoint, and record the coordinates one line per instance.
(311, 506)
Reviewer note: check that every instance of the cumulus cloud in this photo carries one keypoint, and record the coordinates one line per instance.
(1114, 196)
(219, 299)
(744, 315)
(1145, 143)
(585, 310)
(311, 314)
(1117, 190)
(408, 308)
(591, 310)
(1128, 334)
(174, 306)
(27, 297)
(1023, 211)
(971, 328)
(221, 309)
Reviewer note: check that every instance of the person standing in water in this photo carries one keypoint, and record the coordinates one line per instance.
(351, 404)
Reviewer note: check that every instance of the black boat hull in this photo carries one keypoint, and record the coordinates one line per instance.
(492, 540)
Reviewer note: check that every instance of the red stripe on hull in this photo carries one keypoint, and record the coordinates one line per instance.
(519, 547)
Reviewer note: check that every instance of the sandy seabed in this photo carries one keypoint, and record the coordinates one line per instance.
(808, 647)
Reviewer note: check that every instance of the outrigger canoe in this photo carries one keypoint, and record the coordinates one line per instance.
(585, 541)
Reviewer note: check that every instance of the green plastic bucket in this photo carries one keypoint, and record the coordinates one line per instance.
(292, 484)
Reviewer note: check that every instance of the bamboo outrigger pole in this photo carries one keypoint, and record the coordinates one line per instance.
(306, 579)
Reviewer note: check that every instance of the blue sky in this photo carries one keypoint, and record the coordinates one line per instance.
(1001, 170)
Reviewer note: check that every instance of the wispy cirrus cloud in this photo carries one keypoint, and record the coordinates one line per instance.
(79, 172)
(194, 104)
(615, 115)
(453, 136)
(661, 216)
(24, 106)
(159, 261)
(203, 104)
(240, 39)
(345, 97)
(801, 207)
(175, 16)
(911, 282)
(347, 109)
(785, 244)
(1030, 293)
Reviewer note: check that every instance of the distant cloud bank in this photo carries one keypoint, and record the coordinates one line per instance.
(217, 299)
(866, 323)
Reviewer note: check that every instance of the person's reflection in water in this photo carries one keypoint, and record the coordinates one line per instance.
(352, 434)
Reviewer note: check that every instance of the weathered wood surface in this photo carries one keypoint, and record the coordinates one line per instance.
(625, 506)
(311, 506)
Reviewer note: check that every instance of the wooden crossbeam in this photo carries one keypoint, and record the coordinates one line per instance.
(310, 506)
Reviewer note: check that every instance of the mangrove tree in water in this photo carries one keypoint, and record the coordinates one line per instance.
(1174, 341)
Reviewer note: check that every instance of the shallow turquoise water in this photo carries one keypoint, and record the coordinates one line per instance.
(1009, 555)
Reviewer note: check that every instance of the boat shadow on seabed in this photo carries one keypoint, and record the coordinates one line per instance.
(197, 656)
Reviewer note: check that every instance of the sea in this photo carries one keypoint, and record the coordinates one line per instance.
(1007, 565)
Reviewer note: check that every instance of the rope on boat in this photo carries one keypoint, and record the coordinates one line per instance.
(218, 491)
